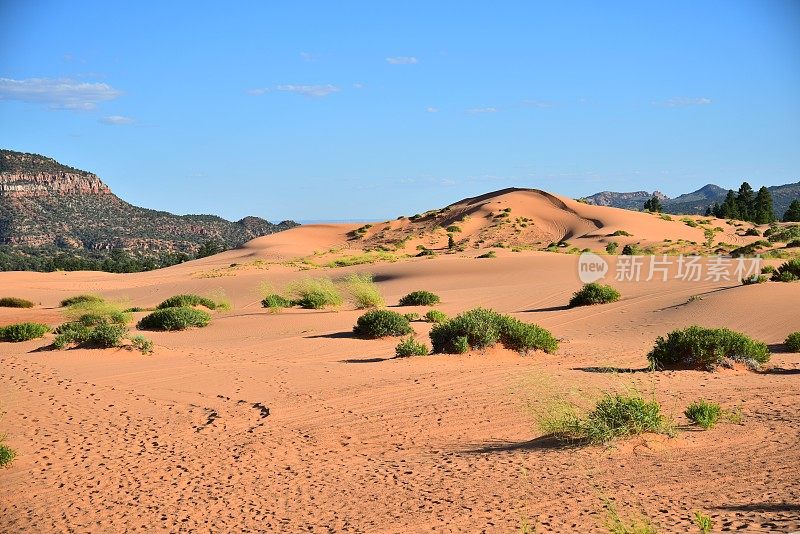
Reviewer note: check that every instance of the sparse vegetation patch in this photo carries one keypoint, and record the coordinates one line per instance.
(594, 293)
(382, 323)
(706, 349)
(15, 302)
(174, 319)
(420, 298)
(19, 332)
(410, 347)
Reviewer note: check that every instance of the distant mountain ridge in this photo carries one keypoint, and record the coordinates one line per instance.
(44, 203)
(695, 202)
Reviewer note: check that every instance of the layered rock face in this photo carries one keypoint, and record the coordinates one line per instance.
(46, 204)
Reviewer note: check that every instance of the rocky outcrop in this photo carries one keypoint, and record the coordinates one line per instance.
(63, 183)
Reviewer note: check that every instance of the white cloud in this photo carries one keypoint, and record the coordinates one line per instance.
(61, 93)
(431, 109)
(543, 104)
(482, 110)
(117, 120)
(309, 90)
(258, 91)
(683, 101)
(358, 86)
(402, 60)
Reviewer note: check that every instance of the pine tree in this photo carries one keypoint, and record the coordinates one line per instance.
(717, 210)
(653, 204)
(709, 211)
(763, 212)
(745, 202)
(730, 208)
(793, 213)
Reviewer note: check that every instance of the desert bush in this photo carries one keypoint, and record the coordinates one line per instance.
(69, 333)
(755, 279)
(435, 316)
(794, 243)
(92, 312)
(485, 255)
(703, 413)
(752, 232)
(703, 522)
(426, 252)
(788, 272)
(631, 250)
(481, 328)
(18, 332)
(314, 293)
(594, 293)
(613, 417)
(15, 302)
(142, 344)
(793, 342)
(612, 247)
(174, 319)
(381, 323)
(107, 335)
(77, 299)
(7, 454)
(363, 292)
(621, 233)
(187, 301)
(453, 229)
(413, 316)
(410, 347)
(420, 298)
(767, 269)
(696, 347)
(276, 302)
(784, 235)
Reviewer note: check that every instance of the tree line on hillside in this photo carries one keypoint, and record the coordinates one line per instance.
(49, 259)
(745, 205)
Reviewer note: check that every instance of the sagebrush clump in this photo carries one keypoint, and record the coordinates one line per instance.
(481, 328)
(613, 417)
(788, 272)
(706, 349)
(362, 291)
(594, 293)
(19, 332)
(276, 302)
(77, 299)
(186, 301)
(435, 316)
(703, 413)
(15, 302)
(420, 298)
(410, 347)
(382, 323)
(174, 319)
(314, 293)
(793, 342)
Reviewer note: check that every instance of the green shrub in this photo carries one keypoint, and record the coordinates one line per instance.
(696, 347)
(435, 316)
(788, 272)
(314, 293)
(594, 293)
(703, 522)
(784, 235)
(410, 347)
(794, 243)
(23, 332)
(613, 417)
(419, 298)
(142, 344)
(69, 333)
(453, 229)
(490, 254)
(187, 301)
(755, 279)
(704, 414)
(96, 312)
(767, 269)
(363, 292)
(793, 342)
(481, 328)
(174, 319)
(631, 250)
(276, 302)
(752, 232)
(15, 302)
(77, 299)
(7, 455)
(425, 252)
(413, 316)
(621, 233)
(381, 323)
(107, 335)
(612, 247)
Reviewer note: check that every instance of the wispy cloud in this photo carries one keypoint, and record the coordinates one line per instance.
(309, 90)
(257, 91)
(358, 86)
(308, 56)
(431, 109)
(482, 110)
(117, 120)
(542, 104)
(402, 60)
(683, 101)
(61, 93)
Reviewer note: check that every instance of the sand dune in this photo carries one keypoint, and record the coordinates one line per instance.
(179, 441)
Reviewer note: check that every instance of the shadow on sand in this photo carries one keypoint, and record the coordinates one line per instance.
(612, 369)
(536, 444)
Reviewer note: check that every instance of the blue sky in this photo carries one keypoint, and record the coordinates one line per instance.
(347, 110)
